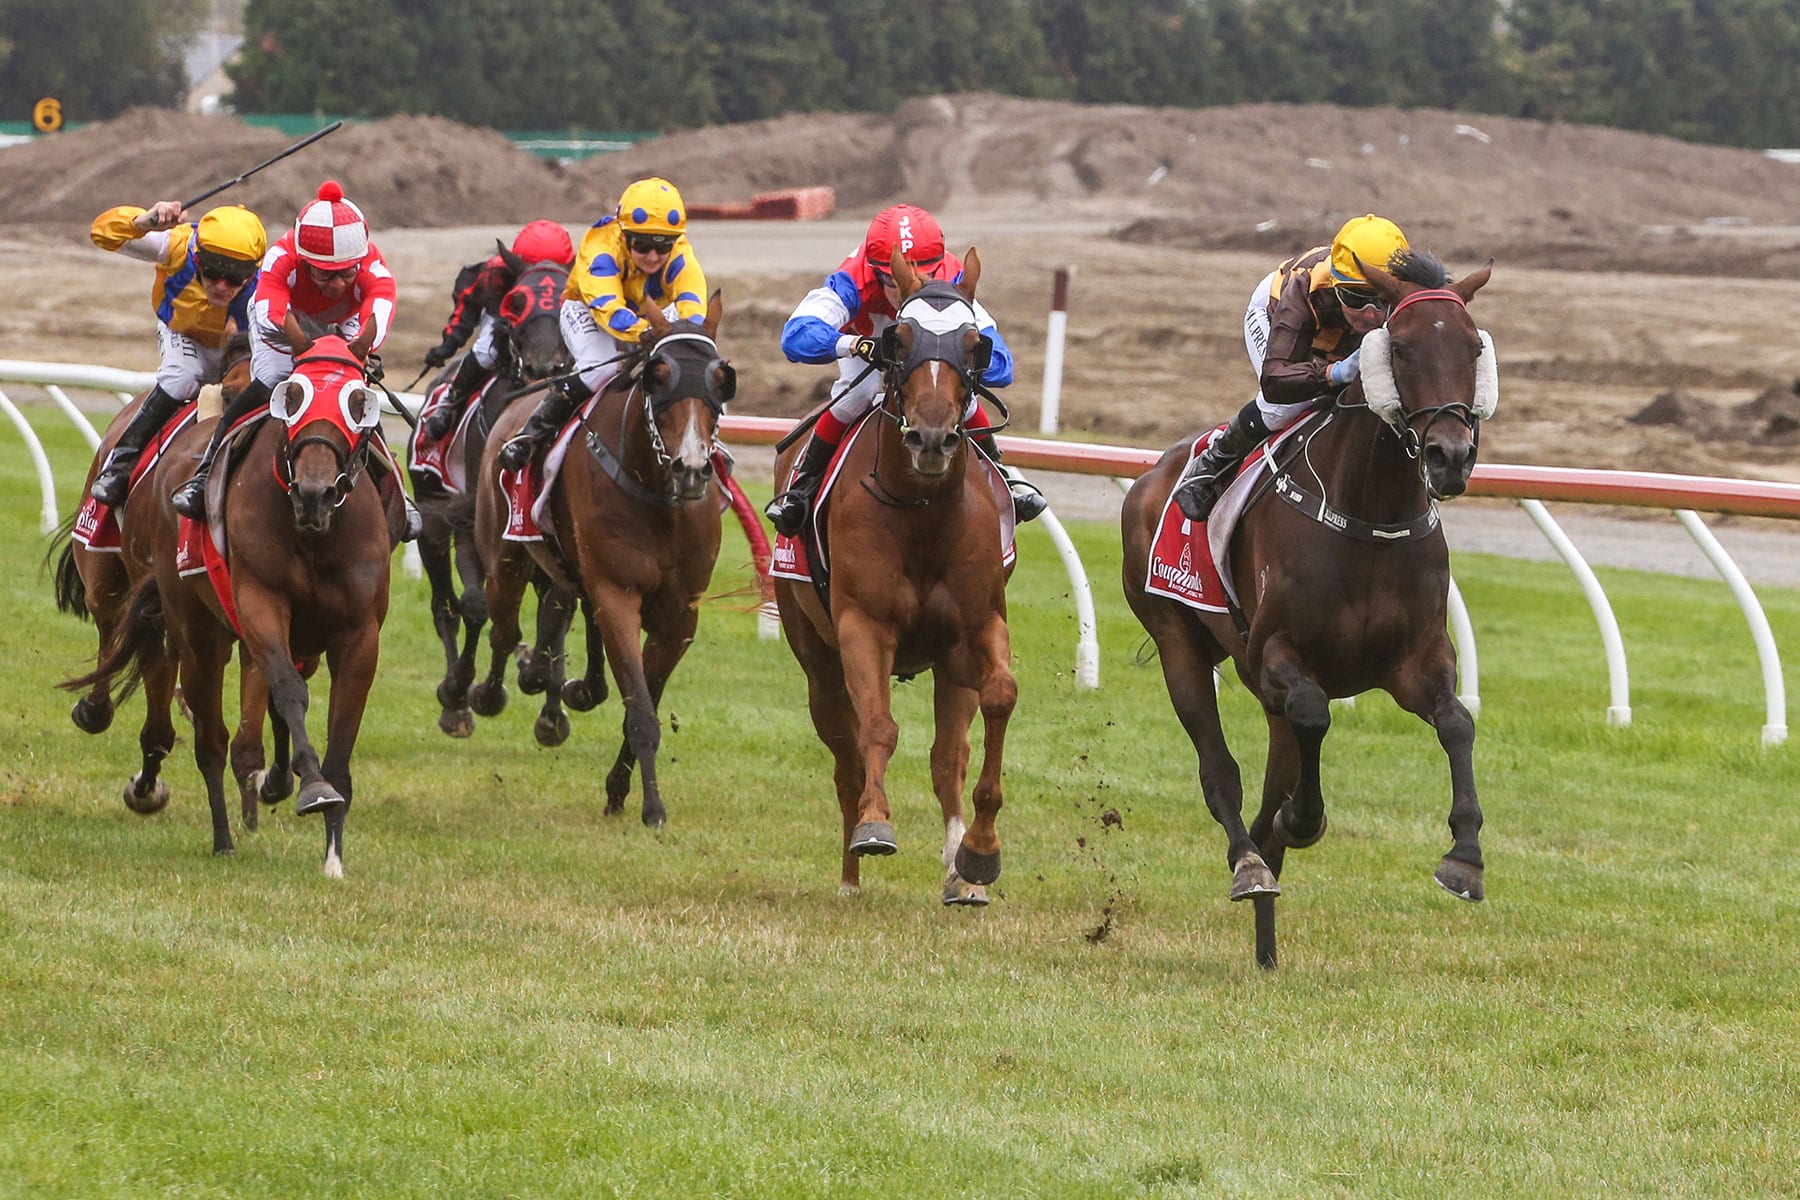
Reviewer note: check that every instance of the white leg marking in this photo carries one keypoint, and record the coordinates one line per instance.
(953, 836)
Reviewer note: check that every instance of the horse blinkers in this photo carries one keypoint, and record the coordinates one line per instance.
(314, 502)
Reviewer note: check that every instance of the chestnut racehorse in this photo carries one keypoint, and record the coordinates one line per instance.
(917, 583)
(635, 511)
(309, 540)
(1342, 576)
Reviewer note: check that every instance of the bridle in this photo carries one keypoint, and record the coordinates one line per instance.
(350, 463)
(1403, 421)
(653, 403)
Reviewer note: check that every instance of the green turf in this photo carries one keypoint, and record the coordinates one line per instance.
(511, 995)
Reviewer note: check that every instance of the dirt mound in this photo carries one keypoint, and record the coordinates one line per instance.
(1769, 419)
(403, 171)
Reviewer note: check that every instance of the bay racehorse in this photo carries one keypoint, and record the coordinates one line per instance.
(308, 539)
(530, 348)
(1342, 576)
(917, 583)
(635, 512)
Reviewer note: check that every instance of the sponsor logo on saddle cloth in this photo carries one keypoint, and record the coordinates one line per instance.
(791, 556)
(443, 457)
(96, 524)
(527, 491)
(1192, 565)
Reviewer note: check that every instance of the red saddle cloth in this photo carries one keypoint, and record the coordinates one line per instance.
(196, 551)
(443, 457)
(793, 555)
(527, 491)
(97, 524)
(1189, 562)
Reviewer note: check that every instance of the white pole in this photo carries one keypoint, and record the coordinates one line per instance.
(1053, 351)
(1467, 672)
(1619, 712)
(74, 414)
(1087, 641)
(1774, 695)
(46, 482)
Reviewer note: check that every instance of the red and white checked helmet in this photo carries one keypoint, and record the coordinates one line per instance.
(331, 232)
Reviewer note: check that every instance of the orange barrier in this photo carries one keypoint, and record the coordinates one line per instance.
(787, 204)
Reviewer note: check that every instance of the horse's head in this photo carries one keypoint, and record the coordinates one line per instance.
(685, 385)
(530, 314)
(931, 357)
(1429, 363)
(331, 414)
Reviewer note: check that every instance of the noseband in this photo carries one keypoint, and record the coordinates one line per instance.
(654, 405)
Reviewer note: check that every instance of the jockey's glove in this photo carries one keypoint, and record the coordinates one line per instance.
(439, 354)
(866, 349)
(1342, 372)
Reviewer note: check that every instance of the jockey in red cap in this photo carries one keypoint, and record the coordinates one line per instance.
(477, 294)
(837, 322)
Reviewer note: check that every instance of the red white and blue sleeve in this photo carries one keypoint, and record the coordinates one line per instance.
(814, 333)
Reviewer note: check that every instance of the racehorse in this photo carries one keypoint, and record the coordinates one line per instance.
(917, 583)
(636, 522)
(1341, 591)
(309, 539)
(530, 348)
(94, 584)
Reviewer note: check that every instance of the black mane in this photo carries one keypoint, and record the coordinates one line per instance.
(1418, 266)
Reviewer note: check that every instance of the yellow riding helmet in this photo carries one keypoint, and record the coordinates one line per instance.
(235, 232)
(652, 206)
(1374, 240)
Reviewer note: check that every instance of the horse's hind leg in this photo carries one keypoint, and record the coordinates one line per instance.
(147, 792)
(247, 744)
(954, 707)
(556, 609)
(834, 718)
(504, 590)
(352, 665)
(1430, 693)
(203, 683)
(453, 690)
(590, 690)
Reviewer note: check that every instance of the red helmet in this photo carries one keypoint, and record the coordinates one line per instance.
(912, 229)
(544, 241)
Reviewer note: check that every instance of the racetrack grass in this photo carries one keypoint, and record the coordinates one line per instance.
(512, 995)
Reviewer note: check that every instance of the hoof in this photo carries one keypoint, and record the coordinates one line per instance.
(655, 815)
(146, 800)
(275, 787)
(224, 851)
(849, 889)
(579, 696)
(488, 700)
(1286, 834)
(534, 674)
(90, 717)
(1252, 878)
(317, 797)
(457, 722)
(873, 837)
(551, 729)
(1460, 880)
(980, 869)
(452, 698)
(247, 799)
(958, 890)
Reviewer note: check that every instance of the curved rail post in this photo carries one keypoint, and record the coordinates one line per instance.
(1619, 712)
(1468, 674)
(1774, 731)
(1087, 642)
(82, 425)
(46, 481)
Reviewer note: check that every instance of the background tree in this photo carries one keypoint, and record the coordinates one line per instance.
(98, 60)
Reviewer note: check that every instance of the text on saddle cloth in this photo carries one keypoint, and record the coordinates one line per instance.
(442, 457)
(527, 491)
(96, 524)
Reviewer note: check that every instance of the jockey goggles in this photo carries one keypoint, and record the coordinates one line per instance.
(649, 243)
(1361, 303)
(223, 267)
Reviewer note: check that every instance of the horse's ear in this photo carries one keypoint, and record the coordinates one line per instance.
(516, 264)
(715, 312)
(1385, 285)
(978, 351)
(659, 324)
(906, 280)
(971, 275)
(724, 380)
(1468, 285)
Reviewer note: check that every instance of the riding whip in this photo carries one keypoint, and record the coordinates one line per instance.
(302, 144)
(415, 383)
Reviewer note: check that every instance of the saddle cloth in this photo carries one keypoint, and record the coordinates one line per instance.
(794, 557)
(527, 491)
(96, 524)
(443, 457)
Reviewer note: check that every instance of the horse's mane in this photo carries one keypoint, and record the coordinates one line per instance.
(1418, 266)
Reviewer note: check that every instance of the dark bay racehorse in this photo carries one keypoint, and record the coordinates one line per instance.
(917, 584)
(636, 517)
(1342, 575)
(530, 347)
(309, 540)
(96, 584)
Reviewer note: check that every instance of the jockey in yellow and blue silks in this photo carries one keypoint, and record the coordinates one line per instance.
(205, 272)
(637, 257)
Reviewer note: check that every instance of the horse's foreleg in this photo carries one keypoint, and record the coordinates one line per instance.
(620, 625)
(954, 707)
(147, 792)
(247, 760)
(834, 719)
(203, 683)
(1430, 692)
(1289, 692)
(866, 648)
(556, 609)
(590, 690)
(352, 661)
(1281, 771)
(264, 620)
(504, 590)
(978, 861)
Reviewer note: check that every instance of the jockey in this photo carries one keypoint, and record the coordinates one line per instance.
(838, 321)
(637, 256)
(1304, 330)
(327, 268)
(204, 276)
(477, 294)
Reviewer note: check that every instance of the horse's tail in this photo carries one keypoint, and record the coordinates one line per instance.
(71, 593)
(140, 635)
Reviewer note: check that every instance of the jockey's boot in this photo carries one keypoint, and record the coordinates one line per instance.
(787, 511)
(469, 377)
(113, 482)
(557, 406)
(190, 498)
(1210, 475)
(1027, 498)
